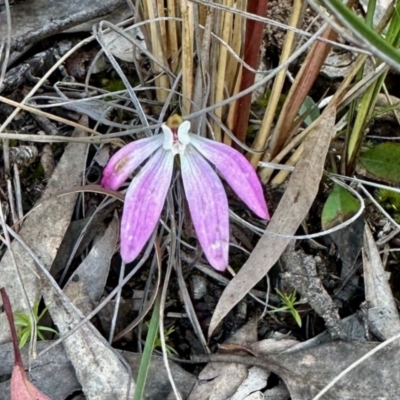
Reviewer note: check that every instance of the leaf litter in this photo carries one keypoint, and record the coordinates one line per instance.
(303, 364)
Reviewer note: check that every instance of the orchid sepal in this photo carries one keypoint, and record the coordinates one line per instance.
(208, 207)
(237, 171)
(144, 202)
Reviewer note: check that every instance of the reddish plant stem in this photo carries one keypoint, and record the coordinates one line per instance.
(10, 317)
(253, 41)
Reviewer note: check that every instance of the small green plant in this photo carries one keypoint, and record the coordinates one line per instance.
(170, 349)
(289, 301)
(390, 200)
(24, 326)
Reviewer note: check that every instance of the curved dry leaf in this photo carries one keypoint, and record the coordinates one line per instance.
(382, 314)
(290, 213)
(98, 369)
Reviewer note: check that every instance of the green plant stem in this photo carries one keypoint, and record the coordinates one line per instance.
(148, 351)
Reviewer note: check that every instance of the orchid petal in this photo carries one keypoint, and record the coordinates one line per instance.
(144, 202)
(236, 170)
(183, 132)
(126, 160)
(168, 137)
(208, 207)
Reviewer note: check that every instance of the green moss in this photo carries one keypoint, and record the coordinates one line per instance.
(113, 85)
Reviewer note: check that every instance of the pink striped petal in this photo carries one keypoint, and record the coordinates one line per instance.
(236, 170)
(144, 202)
(208, 207)
(126, 160)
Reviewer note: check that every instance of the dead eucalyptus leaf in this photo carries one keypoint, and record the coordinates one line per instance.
(86, 285)
(307, 371)
(98, 368)
(290, 213)
(383, 315)
(221, 380)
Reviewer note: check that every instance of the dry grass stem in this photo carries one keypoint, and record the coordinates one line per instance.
(263, 133)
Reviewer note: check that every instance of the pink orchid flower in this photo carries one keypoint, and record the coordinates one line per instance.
(204, 191)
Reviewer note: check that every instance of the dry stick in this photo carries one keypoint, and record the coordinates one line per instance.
(6, 144)
(236, 43)
(226, 27)
(45, 114)
(232, 113)
(235, 67)
(263, 133)
(281, 176)
(58, 25)
(18, 193)
(11, 201)
(187, 54)
(157, 49)
(8, 45)
(253, 40)
(200, 93)
(172, 47)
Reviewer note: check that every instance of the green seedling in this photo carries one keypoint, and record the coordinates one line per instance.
(390, 201)
(170, 349)
(25, 328)
(289, 301)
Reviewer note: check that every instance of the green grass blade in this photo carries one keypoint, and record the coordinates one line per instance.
(376, 44)
(369, 19)
(24, 338)
(148, 351)
(45, 328)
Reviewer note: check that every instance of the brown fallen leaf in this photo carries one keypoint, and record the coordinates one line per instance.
(221, 381)
(21, 388)
(383, 316)
(306, 372)
(290, 213)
